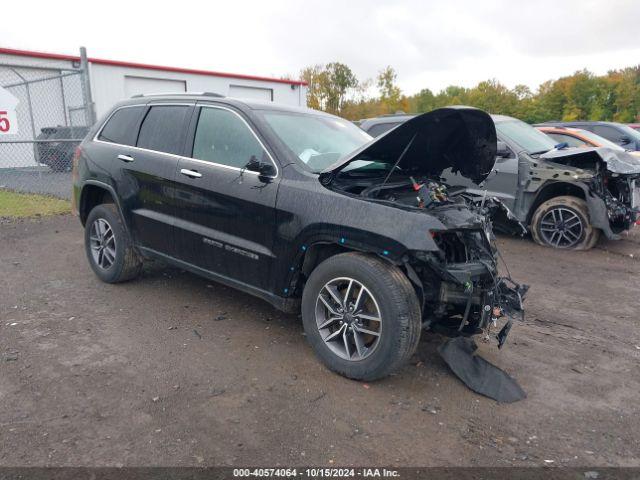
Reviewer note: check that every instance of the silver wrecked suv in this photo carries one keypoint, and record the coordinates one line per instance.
(566, 198)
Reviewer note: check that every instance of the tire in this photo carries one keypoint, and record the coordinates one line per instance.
(387, 291)
(126, 264)
(555, 224)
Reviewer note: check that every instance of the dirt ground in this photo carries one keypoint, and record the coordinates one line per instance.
(171, 369)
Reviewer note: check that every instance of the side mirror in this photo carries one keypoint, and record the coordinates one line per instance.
(263, 168)
(624, 140)
(502, 151)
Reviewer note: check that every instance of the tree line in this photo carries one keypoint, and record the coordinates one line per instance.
(334, 88)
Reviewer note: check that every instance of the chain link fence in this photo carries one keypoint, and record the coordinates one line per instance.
(54, 112)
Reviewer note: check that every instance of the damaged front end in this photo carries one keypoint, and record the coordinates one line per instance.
(609, 178)
(462, 290)
(455, 271)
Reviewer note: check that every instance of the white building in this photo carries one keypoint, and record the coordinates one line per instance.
(112, 80)
(50, 93)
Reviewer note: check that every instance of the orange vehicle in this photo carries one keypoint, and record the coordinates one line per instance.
(577, 137)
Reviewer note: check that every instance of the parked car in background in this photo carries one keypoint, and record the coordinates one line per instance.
(565, 198)
(304, 210)
(635, 126)
(618, 133)
(55, 146)
(382, 124)
(579, 138)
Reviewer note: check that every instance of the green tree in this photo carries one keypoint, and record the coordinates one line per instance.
(581, 96)
(340, 80)
(390, 93)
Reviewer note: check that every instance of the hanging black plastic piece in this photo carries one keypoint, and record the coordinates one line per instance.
(478, 374)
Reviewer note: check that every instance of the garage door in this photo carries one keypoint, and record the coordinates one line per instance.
(138, 85)
(254, 93)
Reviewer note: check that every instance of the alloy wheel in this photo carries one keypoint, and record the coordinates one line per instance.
(348, 318)
(561, 227)
(103, 243)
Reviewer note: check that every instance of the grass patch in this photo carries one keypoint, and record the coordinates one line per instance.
(20, 205)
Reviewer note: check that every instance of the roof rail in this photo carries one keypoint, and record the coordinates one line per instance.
(204, 94)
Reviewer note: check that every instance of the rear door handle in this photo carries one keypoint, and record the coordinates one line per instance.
(190, 173)
(125, 158)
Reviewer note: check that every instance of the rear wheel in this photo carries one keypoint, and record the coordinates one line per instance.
(563, 222)
(108, 246)
(361, 316)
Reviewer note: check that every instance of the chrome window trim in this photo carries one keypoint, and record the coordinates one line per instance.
(182, 157)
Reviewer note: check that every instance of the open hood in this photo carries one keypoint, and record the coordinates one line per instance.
(617, 161)
(460, 138)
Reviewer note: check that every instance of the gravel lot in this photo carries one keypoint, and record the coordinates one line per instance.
(173, 370)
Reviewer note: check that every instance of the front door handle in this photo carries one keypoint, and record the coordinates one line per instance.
(190, 173)
(125, 158)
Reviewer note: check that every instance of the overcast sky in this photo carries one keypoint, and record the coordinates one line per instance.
(431, 44)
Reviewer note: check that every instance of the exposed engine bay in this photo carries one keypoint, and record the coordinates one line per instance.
(458, 283)
(449, 252)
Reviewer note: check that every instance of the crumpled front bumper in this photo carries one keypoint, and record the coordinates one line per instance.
(477, 286)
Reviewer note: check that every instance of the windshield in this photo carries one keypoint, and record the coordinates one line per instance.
(597, 139)
(317, 140)
(531, 140)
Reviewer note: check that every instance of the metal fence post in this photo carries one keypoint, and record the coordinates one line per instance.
(86, 83)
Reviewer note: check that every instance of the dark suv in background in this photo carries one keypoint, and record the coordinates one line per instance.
(304, 210)
(618, 133)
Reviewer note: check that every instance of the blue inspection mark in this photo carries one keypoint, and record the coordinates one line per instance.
(304, 247)
(385, 252)
(286, 290)
(342, 240)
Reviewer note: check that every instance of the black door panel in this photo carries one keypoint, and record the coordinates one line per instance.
(226, 222)
(149, 193)
(148, 173)
(226, 214)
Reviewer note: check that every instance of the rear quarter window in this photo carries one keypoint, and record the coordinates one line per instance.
(122, 126)
(163, 128)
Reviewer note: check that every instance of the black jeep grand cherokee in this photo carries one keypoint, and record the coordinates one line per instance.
(306, 211)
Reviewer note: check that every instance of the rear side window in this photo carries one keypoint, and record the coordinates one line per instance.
(163, 128)
(122, 127)
(222, 137)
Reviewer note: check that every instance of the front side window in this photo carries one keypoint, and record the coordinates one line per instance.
(223, 137)
(317, 141)
(122, 127)
(568, 139)
(163, 128)
(617, 134)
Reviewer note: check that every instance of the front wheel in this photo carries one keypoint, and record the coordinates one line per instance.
(361, 316)
(563, 222)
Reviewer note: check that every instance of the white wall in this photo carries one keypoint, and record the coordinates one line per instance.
(108, 85)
